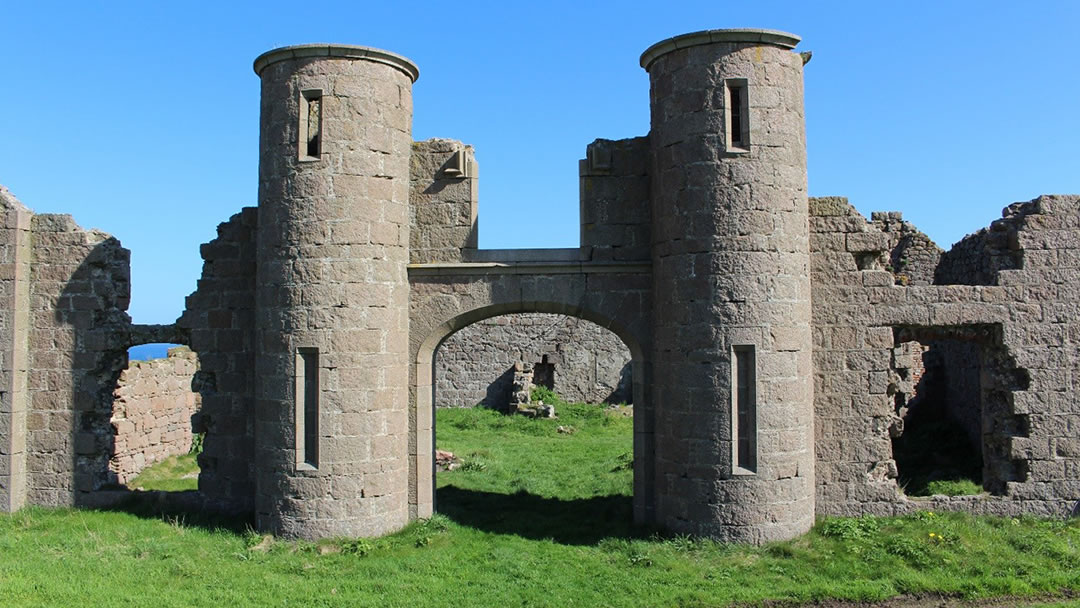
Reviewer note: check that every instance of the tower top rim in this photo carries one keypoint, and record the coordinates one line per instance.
(336, 51)
(748, 35)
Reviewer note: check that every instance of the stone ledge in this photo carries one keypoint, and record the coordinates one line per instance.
(750, 35)
(510, 256)
(531, 268)
(342, 51)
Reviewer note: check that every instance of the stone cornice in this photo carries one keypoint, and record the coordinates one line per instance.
(753, 36)
(343, 51)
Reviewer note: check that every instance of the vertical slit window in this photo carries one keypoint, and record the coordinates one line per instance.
(311, 125)
(738, 114)
(307, 408)
(744, 393)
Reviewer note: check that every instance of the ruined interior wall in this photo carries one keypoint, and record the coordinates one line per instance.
(979, 257)
(153, 407)
(80, 288)
(961, 379)
(475, 365)
(615, 215)
(1028, 313)
(442, 206)
(910, 255)
(220, 317)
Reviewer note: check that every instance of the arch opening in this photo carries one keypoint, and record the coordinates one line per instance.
(953, 399)
(574, 477)
(154, 421)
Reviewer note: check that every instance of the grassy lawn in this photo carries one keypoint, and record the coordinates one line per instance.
(174, 474)
(532, 517)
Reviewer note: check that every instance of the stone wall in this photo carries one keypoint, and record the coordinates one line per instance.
(910, 255)
(153, 407)
(475, 365)
(442, 201)
(220, 321)
(615, 216)
(15, 258)
(79, 290)
(1023, 324)
(979, 257)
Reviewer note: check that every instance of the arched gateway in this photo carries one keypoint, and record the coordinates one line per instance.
(694, 251)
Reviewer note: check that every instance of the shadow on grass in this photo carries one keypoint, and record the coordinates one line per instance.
(585, 521)
(188, 508)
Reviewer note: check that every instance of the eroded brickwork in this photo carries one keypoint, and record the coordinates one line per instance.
(79, 290)
(1016, 329)
(153, 407)
(219, 319)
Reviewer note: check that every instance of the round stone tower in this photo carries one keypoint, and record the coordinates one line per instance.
(733, 387)
(332, 297)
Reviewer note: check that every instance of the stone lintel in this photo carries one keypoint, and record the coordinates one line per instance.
(530, 268)
(343, 51)
(559, 255)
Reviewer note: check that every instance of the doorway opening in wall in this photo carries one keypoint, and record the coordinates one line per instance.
(154, 422)
(952, 396)
(534, 428)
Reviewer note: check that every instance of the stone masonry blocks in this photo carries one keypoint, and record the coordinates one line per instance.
(715, 237)
(336, 204)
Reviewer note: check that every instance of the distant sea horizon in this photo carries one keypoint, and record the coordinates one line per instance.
(145, 352)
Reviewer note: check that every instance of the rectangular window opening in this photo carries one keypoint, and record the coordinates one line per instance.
(311, 125)
(307, 408)
(744, 395)
(738, 114)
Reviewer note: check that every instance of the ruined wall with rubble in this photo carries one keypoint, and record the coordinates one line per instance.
(1022, 320)
(220, 319)
(910, 255)
(475, 365)
(153, 407)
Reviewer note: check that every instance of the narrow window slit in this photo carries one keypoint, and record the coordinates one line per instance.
(744, 393)
(738, 119)
(307, 407)
(311, 125)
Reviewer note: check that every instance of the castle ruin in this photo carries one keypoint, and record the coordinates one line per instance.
(775, 340)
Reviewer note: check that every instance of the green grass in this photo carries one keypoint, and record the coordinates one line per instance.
(540, 519)
(953, 487)
(174, 474)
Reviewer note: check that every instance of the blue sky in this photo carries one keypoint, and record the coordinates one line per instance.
(141, 119)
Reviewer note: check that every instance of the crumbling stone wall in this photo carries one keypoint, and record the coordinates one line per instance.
(220, 320)
(1025, 325)
(979, 257)
(910, 255)
(79, 290)
(153, 407)
(475, 365)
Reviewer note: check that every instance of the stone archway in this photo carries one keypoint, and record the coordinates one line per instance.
(421, 413)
